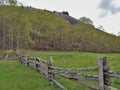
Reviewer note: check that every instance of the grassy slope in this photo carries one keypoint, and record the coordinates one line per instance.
(14, 76)
(22, 78)
(81, 59)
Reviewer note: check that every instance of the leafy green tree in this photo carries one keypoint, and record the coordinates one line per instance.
(13, 2)
(119, 34)
(86, 20)
(25, 31)
(8, 2)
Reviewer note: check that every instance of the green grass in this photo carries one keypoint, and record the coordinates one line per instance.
(14, 76)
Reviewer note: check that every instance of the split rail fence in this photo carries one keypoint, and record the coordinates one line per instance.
(47, 68)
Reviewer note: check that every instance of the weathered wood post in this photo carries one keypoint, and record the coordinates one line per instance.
(24, 60)
(21, 58)
(106, 73)
(36, 66)
(27, 60)
(103, 74)
(100, 74)
(34, 63)
(50, 74)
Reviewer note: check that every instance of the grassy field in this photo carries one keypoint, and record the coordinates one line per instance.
(14, 76)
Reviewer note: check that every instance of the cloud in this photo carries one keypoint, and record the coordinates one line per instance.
(107, 6)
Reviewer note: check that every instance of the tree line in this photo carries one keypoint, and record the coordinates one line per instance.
(29, 28)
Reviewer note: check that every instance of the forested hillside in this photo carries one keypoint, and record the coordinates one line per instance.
(29, 28)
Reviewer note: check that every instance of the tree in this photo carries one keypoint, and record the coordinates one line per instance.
(3, 2)
(86, 20)
(13, 2)
(20, 28)
(100, 27)
(8, 2)
(25, 31)
(119, 34)
(65, 12)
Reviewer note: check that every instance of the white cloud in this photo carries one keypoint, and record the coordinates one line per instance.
(109, 6)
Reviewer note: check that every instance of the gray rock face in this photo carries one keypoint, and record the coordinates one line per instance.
(72, 20)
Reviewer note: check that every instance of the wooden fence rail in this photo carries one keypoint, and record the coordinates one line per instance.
(115, 75)
(50, 71)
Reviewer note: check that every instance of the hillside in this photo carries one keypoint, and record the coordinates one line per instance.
(17, 77)
(28, 28)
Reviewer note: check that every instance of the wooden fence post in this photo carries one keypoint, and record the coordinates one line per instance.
(100, 74)
(103, 74)
(27, 60)
(50, 74)
(106, 73)
(21, 58)
(35, 63)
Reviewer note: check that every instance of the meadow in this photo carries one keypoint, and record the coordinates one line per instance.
(14, 76)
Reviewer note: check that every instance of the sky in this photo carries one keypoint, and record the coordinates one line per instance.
(101, 12)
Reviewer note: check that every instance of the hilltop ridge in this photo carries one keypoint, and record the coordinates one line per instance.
(71, 19)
